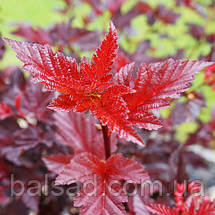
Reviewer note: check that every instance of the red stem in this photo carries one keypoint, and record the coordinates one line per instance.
(106, 137)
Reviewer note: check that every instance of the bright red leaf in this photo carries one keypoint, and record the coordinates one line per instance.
(120, 61)
(155, 85)
(119, 104)
(107, 175)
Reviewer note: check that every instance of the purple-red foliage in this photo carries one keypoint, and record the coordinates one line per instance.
(124, 93)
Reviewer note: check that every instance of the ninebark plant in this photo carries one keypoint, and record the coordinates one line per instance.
(123, 101)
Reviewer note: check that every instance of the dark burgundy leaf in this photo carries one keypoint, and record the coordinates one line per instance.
(80, 132)
(66, 35)
(33, 103)
(161, 13)
(197, 31)
(31, 34)
(184, 2)
(122, 21)
(86, 166)
(187, 111)
(177, 166)
(22, 140)
(14, 208)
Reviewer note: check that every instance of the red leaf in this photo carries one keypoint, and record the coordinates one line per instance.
(162, 210)
(79, 132)
(103, 59)
(124, 75)
(60, 73)
(62, 103)
(5, 111)
(87, 167)
(155, 84)
(120, 61)
(113, 103)
(113, 111)
(166, 79)
(206, 207)
(143, 119)
(52, 69)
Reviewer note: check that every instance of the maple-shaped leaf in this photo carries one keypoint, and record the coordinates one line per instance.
(60, 73)
(91, 87)
(155, 85)
(82, 90)
(79, 132)
(107, 176)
